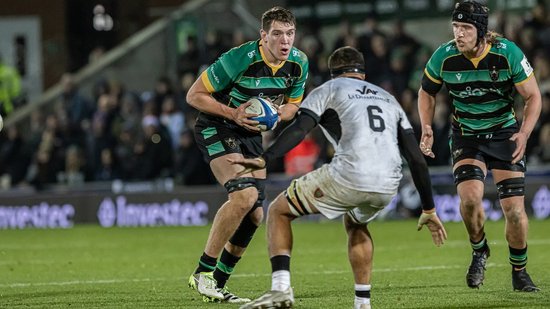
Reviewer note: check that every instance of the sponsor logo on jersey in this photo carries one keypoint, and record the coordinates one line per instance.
(366, 90)
(477, 92)
(257, 82)
(251, 54)
(527, 68)
(458, 76)
(216, 78)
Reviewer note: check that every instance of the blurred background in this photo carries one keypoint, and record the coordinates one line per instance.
(97, 129)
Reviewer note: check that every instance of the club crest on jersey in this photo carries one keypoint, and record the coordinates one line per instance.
(289, 80)
(458, 76)
(318, 193)
(231, 142)
(494, 74)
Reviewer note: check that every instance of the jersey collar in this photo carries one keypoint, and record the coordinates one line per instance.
(475, 61)
(274, 68)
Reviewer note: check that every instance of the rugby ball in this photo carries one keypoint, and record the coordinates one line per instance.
(267, 113)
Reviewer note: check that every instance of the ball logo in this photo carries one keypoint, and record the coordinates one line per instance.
(267, 115)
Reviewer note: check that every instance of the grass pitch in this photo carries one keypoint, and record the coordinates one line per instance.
(92, 267)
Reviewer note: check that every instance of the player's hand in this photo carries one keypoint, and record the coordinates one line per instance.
(249, 165)
(521, 141)
(241, 117)
(431, 220)
(426, 141)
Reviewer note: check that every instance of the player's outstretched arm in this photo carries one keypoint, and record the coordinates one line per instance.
(426, 110)
(431, 220)
(249, 165)
(288, 139)
(530, 92)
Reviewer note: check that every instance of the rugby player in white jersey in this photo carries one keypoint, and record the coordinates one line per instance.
(370, 132)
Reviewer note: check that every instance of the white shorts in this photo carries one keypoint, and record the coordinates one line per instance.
(318, 188)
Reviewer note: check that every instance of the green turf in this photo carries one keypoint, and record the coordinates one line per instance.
(91, 267)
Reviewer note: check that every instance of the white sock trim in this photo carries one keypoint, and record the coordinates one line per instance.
(362, 287)
(280, 280)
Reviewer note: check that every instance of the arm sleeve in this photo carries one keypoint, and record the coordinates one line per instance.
(418, 166)
(223, 72)
(297, 91)
(291, 136)
(521, 69)
(432, 79)
(430, 85)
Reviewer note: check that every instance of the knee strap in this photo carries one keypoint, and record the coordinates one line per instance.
(511, 187)
(237, 184)
(468, 172)
(260, 185)
(245, 231)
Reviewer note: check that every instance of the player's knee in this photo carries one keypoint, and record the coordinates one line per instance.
(256, 215)
(468, 172)
(515, 214)
(242, 191)
(260, 185)
(511, 187)
(281, 207)
(470, 197)
(352, 224)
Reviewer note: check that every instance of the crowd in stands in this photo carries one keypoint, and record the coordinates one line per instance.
(113, 133)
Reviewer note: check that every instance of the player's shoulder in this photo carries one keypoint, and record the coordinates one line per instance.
(361, 88)
(297, 55)
(248, 50)
(446, 49)
(506, 47)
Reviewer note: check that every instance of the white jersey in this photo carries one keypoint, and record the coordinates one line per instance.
(361, 120)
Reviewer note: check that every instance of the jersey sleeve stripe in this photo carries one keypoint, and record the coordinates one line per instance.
(523, 81)
(295, 100)
(431, 78)
(206, 82)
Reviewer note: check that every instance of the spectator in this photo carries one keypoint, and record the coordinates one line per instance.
(173, 119)
(108, 168)
(154, 152)
(190, 167)
(74, 173)
(10, 88)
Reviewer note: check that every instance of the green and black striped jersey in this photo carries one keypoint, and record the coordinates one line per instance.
(242, 73)
(481, 88)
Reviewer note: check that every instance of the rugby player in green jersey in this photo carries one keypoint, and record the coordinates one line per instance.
(481, 70)
(271, 68)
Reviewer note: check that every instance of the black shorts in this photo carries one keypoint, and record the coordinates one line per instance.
(217, 137)
(494, 149)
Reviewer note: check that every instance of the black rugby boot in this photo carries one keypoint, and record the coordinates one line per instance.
(476, 271)
(521, 281)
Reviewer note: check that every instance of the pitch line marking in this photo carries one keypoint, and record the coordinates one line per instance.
(326, 272)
